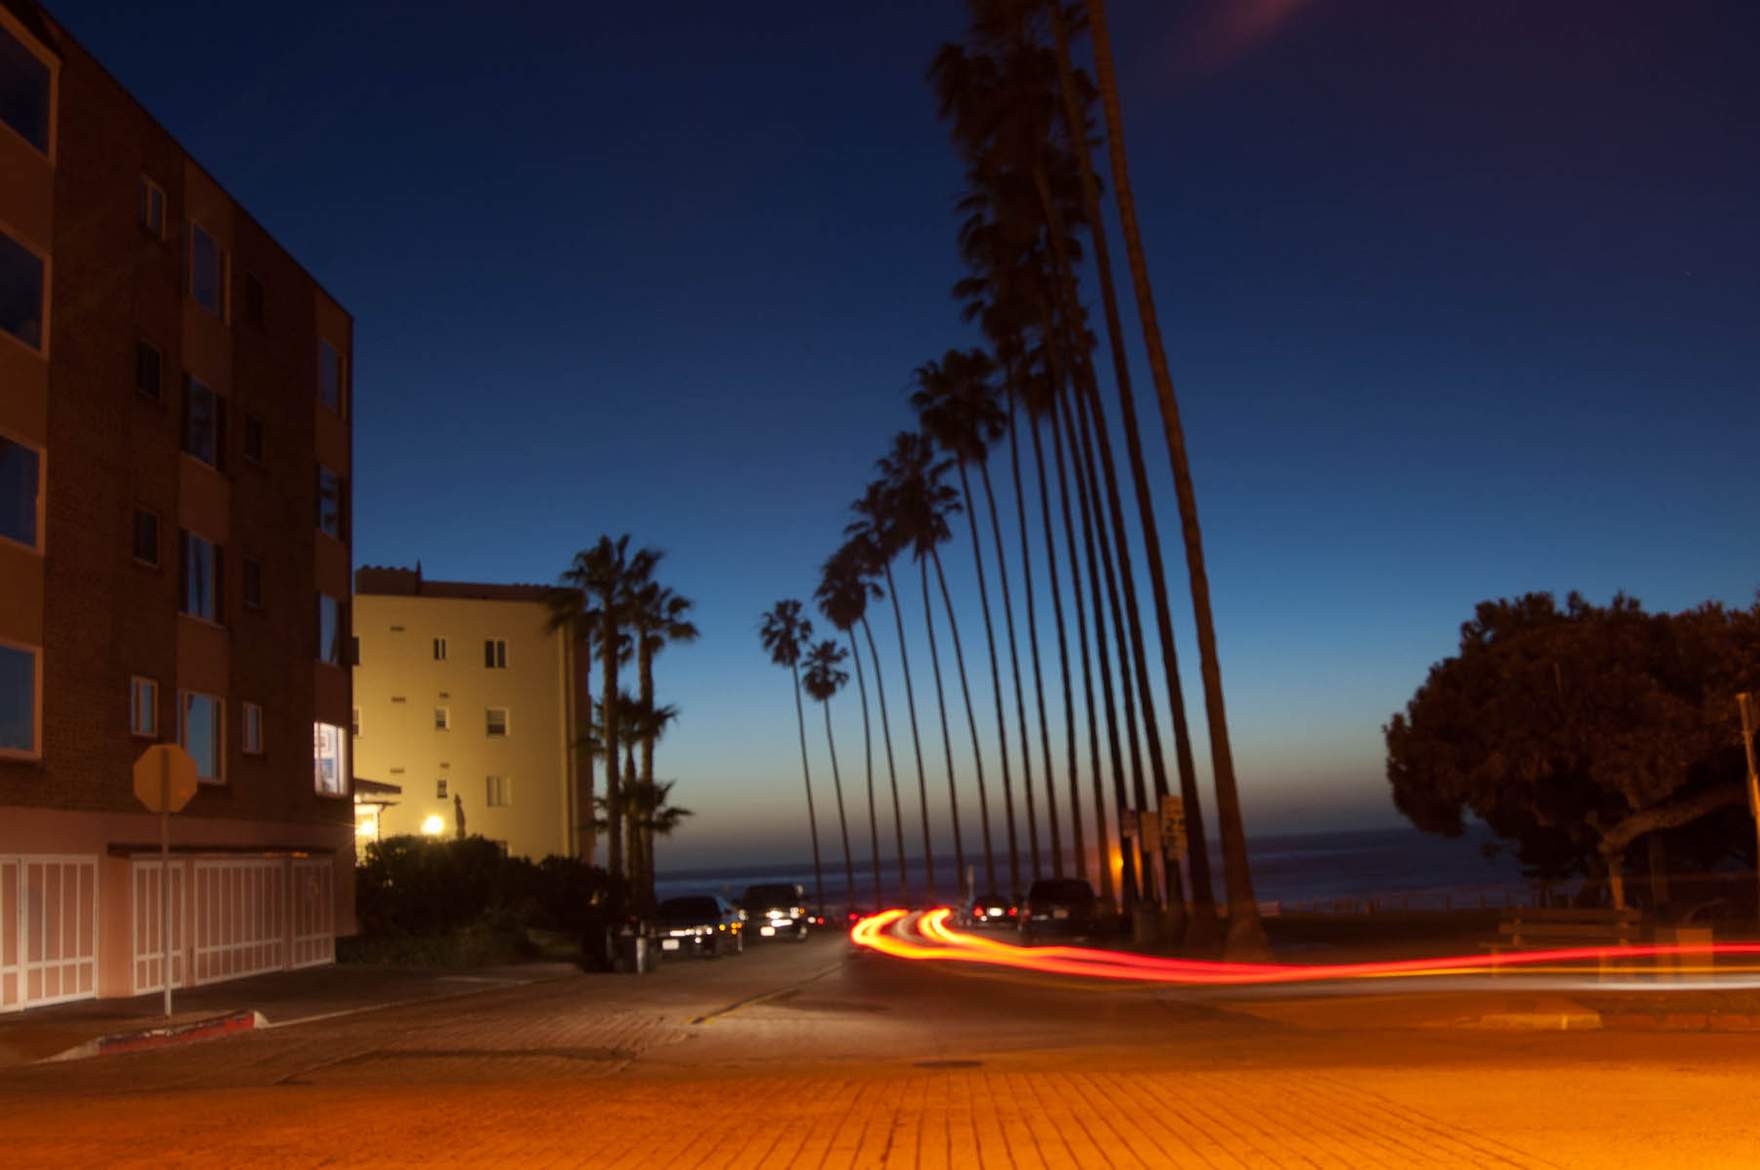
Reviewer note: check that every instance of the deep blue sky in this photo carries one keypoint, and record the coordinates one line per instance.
(1462, 301)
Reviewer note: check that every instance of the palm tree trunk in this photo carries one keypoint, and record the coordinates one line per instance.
(868, 756)
(1203, 926)
(800, 719)
(904, 881)
(910, 703)
(849, 867)
(1069, 708)
(632, 827)
(1128, 872)
(1020, 510)
(645, 680)
(959, 848)
(608, 716)
(1020, 701)
(586, 835)
(1014, 855)
(1246, 934)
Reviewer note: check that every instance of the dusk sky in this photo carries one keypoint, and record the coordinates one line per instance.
(1461, 299)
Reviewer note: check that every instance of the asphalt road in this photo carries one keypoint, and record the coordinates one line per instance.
(815, 1056)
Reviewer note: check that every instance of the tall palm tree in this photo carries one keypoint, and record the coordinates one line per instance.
(921, 505)
(609, 574)
(1246, 934)
(784, 634)
(568, 609)
(875, 534)
(641, 722)
(658, 618)
(843, 594)
(823, 678)
(955, 401)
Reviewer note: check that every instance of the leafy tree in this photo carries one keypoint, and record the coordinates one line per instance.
(1577, 731)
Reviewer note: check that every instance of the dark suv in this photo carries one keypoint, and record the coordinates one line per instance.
(700, 924)
(1060, 908)
(776, 910)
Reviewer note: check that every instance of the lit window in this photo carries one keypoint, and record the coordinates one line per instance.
(18, 699)
(251, 584)
(439, 649)
(153, 208)
(204, 423)
(21, 471)
(332, 503)
(200, 730)
(21, 292)
(439, 790)
(146, 537)
(495, 654)
(253, 729)
(496, 721)
(330, 376)
(207, 270)
(499, 792)
(332, 623)
(443, 719)
(143, 707)
(149, 367)
(25, 91)
(203, 569)
(329, 760)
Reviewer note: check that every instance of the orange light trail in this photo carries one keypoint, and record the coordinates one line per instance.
(937, 941)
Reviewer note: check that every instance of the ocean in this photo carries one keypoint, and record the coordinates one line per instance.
(1390, 868)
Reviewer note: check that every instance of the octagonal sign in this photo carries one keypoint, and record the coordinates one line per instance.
(165, 778)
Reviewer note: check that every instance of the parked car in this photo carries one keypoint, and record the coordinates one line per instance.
(702, 925)
(1058, 908)
(777, 910)
(992, 910)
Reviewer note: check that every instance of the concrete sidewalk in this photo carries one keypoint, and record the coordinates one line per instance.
(279, 999)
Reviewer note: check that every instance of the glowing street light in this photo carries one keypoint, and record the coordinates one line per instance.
(434, 825)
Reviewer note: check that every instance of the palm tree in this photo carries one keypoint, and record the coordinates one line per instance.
(955, 402)
(921, 504)
(874, 533)
(568, 610)
(658, 618)
(843, 594)
(1246, 934)
(783, 635)
(824, 677)
(609, 575)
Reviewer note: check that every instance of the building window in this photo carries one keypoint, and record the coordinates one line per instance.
(204, 422)
(499, 792)
(21, 292)
(253, 299)
(443, 719)
(497, 721)
(203, 570)
(253, 438)
(251, 583)
(21, 494)
(354, 726)
(152, 208)
(201, 731)
(495, 654)
(330, 376)
(143, 707)
(26, 95)
(146, 537)
(329, 760)
(207, 270)
(149, 369)
(253, 729)
(19, 678)
(439, 649)
(332, 629)
(332, 503)
(439, 790)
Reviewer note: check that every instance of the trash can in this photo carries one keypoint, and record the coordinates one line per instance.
(633, 953)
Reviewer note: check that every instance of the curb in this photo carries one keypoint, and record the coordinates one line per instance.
(148, 1039)
(1680, 1022)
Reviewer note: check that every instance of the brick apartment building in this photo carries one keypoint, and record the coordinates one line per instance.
(175, 451)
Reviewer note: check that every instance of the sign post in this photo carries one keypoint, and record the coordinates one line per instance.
(1173, 825)
(1745, 703)
(164, 781)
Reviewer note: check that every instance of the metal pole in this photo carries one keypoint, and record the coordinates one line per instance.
(165, 872)
(1745, 704)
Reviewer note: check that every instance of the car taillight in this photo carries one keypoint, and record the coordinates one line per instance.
(1012, 911)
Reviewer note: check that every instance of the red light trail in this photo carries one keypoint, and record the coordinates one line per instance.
(937, 941)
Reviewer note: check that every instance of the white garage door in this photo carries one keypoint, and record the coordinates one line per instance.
(48, 930)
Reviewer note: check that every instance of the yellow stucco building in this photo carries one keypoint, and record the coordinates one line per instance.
(463, 702)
